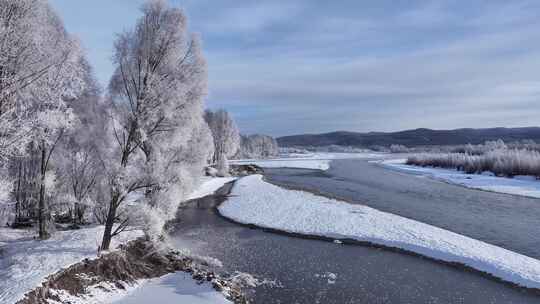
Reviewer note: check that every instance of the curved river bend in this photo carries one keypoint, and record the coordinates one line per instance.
(314, 271)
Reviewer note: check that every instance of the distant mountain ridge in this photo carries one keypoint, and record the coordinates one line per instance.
(411, 138)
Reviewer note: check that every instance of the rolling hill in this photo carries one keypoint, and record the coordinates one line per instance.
(411, 138)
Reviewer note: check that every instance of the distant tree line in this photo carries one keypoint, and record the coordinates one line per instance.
(257, 146)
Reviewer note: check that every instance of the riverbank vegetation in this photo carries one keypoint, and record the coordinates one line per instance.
(119, 271)
(495, 157)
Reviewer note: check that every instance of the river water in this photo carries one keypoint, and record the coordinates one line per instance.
(315, 271)
(508, 221)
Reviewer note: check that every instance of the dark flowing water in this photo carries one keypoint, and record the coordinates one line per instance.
(302, 267)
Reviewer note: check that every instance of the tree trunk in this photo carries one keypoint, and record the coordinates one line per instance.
(107, 233)
(79, 213)
(115, 198)
(18, 194)
(43, 214)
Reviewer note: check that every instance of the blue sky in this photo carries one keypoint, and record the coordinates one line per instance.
(289, 67)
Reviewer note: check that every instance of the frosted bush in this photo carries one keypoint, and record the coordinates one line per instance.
(502, 162)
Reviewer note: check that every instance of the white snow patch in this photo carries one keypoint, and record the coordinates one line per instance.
(25, 262)
(254, 201)
(209, 185)
(103, 292)
(177, 287)
(519, 185)
(318, 161)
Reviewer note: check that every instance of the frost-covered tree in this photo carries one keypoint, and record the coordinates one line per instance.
(77, 159)
(39, 71)
(49, 96)
(19, 68)
(21, 65)
(158, 133)
(24, 170)
(226, 138)
(258, 146)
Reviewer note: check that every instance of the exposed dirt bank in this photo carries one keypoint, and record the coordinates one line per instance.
(120, 269)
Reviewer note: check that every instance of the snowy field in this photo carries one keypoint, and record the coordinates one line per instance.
(319, 161)
(25, 262)
(301, 212)
(519, 185)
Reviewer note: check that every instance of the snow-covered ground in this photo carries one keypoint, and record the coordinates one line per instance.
(25, 262)
(254, 201)
(176, 287)
(320, 161)
(209, 185)
(519, 185)
(101, 293)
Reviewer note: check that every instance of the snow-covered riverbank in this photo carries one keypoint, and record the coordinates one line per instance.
(304, 213)
(519, 185)
(318, 161)
(209, 185)
(25, 262)
(176, 287)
